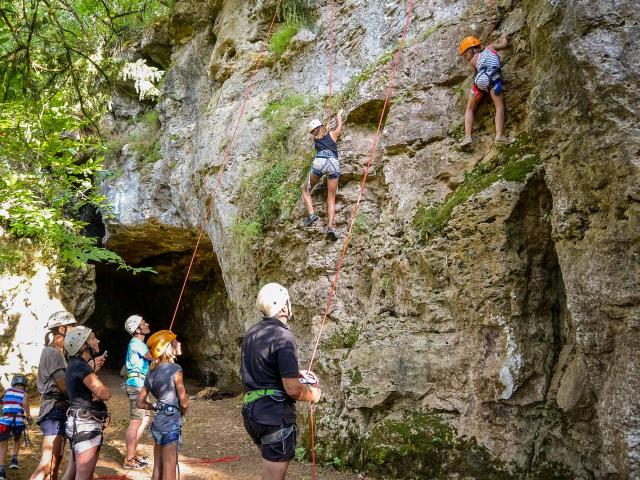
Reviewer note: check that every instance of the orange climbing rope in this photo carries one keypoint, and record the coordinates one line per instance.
(226, 160)
(354, 214)
(210, 461)
(331, 38)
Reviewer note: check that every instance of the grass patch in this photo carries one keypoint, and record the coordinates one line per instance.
(513, 163)
(280, 39)
(270, 192)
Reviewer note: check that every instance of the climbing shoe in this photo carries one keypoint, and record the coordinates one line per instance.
(465, 143)
(14, 463)
(133, 464)
(504, 140)
(331, 234)
(310, 220)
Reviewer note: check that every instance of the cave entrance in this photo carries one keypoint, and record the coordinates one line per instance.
(203, 308)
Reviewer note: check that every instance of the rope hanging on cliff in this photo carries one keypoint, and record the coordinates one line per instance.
(226, 159)
(354, 215)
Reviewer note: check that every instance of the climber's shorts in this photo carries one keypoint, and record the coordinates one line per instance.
(84, 434)
(135, 412)
(326, 164)
(8, 431)
(277, 444)
(166, 438)
(497, 89)
(53, 423)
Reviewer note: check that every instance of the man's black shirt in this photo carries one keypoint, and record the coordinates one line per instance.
(269, 354)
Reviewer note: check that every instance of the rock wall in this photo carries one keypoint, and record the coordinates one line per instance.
(28, 296)
(486, 321)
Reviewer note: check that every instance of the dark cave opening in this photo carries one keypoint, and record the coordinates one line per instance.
(120, 293)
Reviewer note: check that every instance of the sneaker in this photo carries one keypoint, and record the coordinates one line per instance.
(310, 219)
(504, 140)
(331, 234)
(133, 464)
(3, 475)
(466, 142)
(142, 459)
(14, 463)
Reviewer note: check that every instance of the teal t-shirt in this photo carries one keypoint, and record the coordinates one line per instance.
(137, 365)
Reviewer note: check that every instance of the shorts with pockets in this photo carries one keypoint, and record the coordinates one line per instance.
(280, 447)
(53, 422)
(135, 412)
(326, 163)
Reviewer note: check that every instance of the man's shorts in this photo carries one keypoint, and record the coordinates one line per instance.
(7, 432)
(277, 444)
(136, 413)
(53, 422)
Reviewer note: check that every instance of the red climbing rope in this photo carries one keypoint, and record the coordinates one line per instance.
(226, 159)
(353, 219)
(362, 185)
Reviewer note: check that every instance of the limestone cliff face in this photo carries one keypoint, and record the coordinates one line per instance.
(29, 294)
(486, 321)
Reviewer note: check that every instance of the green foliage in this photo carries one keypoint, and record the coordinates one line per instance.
(363, 224)
(300, 453)
(270, 192)
(279, 41)
(300, 12)
(513, 163)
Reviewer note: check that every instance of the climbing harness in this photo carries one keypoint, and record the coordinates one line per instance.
(226, 158)
(354, 215)
(87, 425)
(253, 395)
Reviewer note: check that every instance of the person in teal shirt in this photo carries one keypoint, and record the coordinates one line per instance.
(137, 363)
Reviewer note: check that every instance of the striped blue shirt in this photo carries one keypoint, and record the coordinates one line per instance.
(488, 61)
(12, 410)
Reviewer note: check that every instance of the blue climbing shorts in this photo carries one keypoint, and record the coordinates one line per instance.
(54, 422)
(166, 438)
(326, 163)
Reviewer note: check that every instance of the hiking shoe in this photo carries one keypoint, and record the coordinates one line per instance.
(310, 219)
(466, 142)
(14, 463)
(504, 140)
(331, 234)
(133, 464)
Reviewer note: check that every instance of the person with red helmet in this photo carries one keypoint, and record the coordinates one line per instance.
(487, 66)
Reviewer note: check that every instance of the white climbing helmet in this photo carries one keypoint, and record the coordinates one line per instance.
(132, 323)
(75, 339)
(272, 298)
(313, 124)
(59, 319)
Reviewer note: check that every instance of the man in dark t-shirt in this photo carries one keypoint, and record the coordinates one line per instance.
(270, 375)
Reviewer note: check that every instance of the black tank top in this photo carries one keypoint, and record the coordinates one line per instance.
(326, 143)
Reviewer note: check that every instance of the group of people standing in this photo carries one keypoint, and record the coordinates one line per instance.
(74, 400)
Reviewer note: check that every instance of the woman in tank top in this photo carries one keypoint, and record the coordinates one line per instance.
(165, 383)
(326, 162)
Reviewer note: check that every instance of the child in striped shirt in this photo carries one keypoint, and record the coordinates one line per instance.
(487, 66)
(15, 410)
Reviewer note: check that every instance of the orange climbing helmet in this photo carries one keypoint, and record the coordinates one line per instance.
(467, 43)
(158, 342)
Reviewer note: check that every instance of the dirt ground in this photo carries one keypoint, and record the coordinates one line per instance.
(212, 430)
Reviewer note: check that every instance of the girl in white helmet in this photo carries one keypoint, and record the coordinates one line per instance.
(87, 394)
(326, 162)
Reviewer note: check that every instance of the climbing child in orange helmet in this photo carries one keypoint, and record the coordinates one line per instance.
(325, 162)
(166, 384)
(487, 65)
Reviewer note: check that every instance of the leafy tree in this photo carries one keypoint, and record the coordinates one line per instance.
(59, 62)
